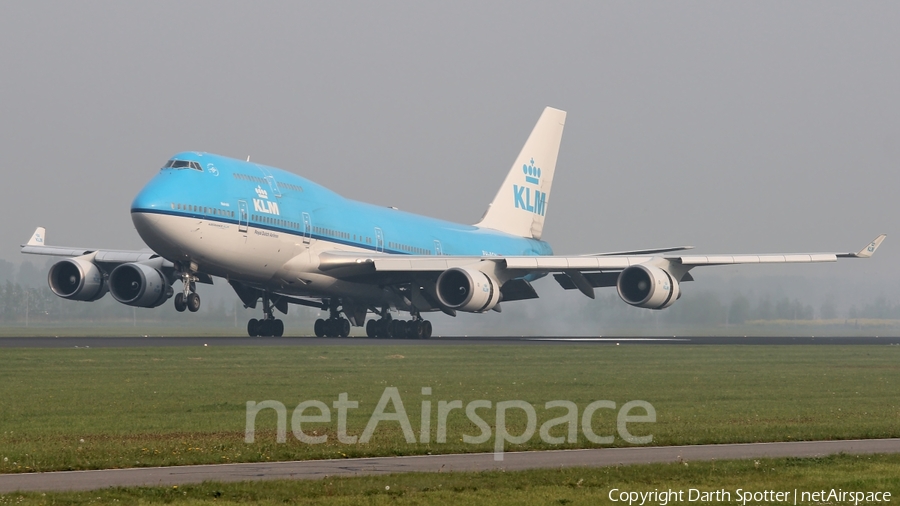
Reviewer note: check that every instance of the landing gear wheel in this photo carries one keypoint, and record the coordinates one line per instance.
(372, 329)
(277, 328)
(343, 327)
(319, 328)
(193, 302)
(253, 327)
(180, 304)
(426, 330)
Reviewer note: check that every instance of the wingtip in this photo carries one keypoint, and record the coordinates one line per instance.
(869, 250)
(38, 237)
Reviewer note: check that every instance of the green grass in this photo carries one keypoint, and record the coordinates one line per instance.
(153, 329)
(110, 408)
(572, 486)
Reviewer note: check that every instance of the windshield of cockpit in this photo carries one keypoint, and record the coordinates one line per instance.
(182, 164)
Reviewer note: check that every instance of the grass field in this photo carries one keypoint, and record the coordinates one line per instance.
(572, 486)
(109, 408)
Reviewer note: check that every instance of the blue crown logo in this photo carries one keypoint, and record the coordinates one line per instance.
(532, 173)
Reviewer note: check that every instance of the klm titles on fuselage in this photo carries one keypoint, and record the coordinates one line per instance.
(263, 204)
(532, 201)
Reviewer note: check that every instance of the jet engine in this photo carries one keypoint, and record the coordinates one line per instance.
(77, 279)
(467, 290)
(139, 285)
(648, 287)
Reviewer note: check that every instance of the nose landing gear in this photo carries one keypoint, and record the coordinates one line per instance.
(187, 298)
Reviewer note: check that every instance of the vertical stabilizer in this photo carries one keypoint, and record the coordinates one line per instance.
(521, 204)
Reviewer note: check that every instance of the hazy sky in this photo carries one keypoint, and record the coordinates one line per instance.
(734, 127)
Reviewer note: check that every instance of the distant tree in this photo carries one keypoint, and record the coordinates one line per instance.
(6, 270)
(739, 310)
(828, 311)
(29, 276)
(880, 308)
(785, 310)
(764, 309)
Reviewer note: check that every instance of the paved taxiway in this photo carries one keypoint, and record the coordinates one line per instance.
(318, 469)
(128, 342)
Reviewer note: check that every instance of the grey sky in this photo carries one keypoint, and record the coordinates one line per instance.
(735, 127)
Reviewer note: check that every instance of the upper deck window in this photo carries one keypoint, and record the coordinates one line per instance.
(182, 164)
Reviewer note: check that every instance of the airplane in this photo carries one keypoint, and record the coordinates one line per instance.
(280, 239)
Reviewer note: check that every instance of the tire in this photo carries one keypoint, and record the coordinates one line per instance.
(418, 328)
(372, 329)
(193, 302)
(344, 327)
(253, 327)
(426, 329)
(319, 328)
(392, 329)
(278, 328)
(180, 304)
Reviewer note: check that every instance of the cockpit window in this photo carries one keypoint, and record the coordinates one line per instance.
(182, 164)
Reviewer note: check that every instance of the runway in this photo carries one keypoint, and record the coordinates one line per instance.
(318, 469)
(154, 341)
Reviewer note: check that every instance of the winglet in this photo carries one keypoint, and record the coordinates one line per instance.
(38, 237)
(868, 250)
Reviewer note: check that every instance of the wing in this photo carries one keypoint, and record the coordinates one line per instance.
(37, 246)
(513, 273)
(106, 259)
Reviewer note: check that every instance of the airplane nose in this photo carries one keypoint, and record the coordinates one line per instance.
(149, 203)
(146, 200)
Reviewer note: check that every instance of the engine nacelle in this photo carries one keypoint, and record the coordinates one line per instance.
(139, 285)
(77, 279)
(467, 290)
(648, 287)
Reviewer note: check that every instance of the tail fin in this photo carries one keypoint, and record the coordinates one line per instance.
(521, 204)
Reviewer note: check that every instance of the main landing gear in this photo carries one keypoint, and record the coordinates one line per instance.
(188, 298)
(387, 328)
(334, 326)
(267, 327)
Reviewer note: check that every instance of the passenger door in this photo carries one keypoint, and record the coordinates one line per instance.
(379, 240)
(243, 216)
(307, 228)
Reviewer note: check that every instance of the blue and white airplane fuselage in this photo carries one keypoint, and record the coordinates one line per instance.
(282, 239)
(267, 227)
